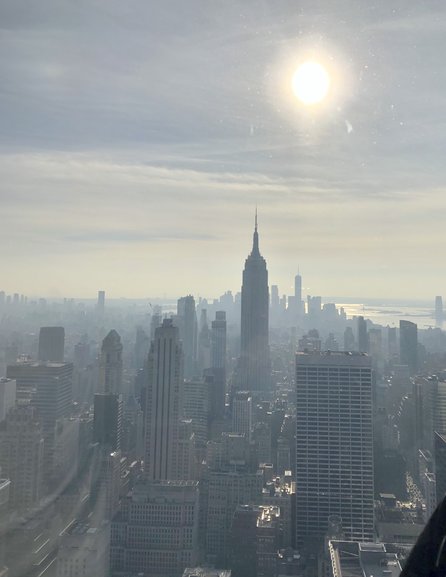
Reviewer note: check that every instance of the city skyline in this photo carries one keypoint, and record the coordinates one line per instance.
(157, 152)
(184, 186)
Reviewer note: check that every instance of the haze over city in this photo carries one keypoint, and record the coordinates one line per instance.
(222, 329)
(138, 138)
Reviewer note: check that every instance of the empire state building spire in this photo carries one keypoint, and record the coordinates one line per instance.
(254, 366)
(255, 243)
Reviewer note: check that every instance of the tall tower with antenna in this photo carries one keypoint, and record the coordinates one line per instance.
(255, 365)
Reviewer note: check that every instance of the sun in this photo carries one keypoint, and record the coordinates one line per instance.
(311, 83)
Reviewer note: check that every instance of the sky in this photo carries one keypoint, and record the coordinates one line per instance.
(138, 137)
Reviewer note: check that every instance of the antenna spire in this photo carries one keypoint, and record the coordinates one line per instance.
(255, 243)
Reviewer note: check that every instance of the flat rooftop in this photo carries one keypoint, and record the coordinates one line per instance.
(334, 358)
(363, 560)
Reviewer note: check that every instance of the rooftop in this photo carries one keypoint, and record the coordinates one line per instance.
(268, 515)
(205, 572)
(351, 559)
(337, 358)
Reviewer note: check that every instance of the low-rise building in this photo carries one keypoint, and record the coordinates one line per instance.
(156, 529)
(84, 551)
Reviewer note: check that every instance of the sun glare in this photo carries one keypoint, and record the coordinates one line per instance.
(311, 83)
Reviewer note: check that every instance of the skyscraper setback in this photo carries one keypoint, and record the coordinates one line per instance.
(165, 376)
(255, 366)
(187, 324)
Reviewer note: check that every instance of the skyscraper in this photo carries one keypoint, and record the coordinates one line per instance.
(7, 397)
(48, 386)
(438, 311)
(51, 344)
(217, 391)
(162, 409)
(21, 456)
(203, 344)
(110, 364)
(298, 294)
(255, 365)
(409, 345)
(188, 331)
(242, 414)
(363, 337)
(334, 444)
(107, 424)
(100, 307)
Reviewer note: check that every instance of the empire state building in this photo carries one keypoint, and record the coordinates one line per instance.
(255, 365)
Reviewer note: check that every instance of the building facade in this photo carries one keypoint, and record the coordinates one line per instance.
(409, 345)
(51, 344)
(163, 403)
(21, 457)
(255, 365)
(110, 364)
(156, 530)
(334, 444)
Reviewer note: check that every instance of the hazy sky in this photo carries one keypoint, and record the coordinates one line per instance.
(138, 136)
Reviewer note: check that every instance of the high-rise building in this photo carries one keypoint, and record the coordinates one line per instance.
(243, 554)
(314, 307)
(156, 320)
(409, 345)
(363, 337)
(163, 403)
(105, 483)
(222, 491)
(255, 365)
(268, 540)
(440, 465)
(349, 339)
(21, 457)
(156, 532)
(187, 471)
(188, 330)
(203, 344)
(100, 306)
(392, 343)
(429, 396)
(334, 445)
(142, 345)
(7, 396)
(51, 344)
(48, 387)
(242, 414)
(231, 478)
(438, 311)
(298, 294)
(107, 424)
(195, 400)
(110, 364)
(275, 299)
(217, 396)
(218, 341)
